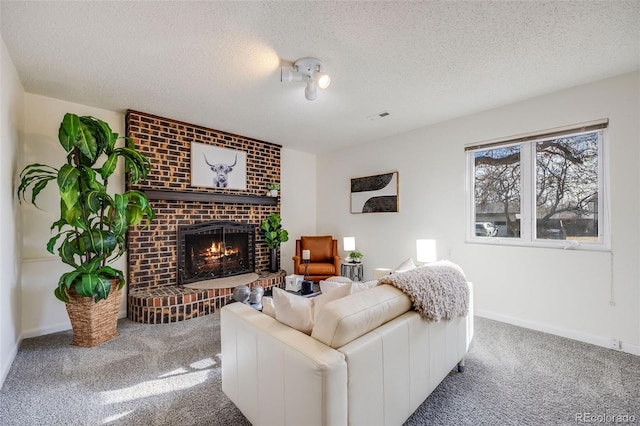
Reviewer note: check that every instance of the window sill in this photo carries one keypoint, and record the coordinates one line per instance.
(561, 245)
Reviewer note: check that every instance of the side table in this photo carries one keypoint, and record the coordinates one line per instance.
(353, 271)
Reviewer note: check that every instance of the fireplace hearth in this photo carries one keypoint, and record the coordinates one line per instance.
(215, 249)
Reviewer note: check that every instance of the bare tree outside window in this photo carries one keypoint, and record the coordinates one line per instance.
(562, 186)
(567, 188)
(497, 191)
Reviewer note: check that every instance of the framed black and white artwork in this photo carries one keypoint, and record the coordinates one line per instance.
(216, 167)
(375, 194)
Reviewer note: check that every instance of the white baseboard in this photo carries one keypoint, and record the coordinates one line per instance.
(63, 326)
(9, 362)
(41, 331)
(558, 331)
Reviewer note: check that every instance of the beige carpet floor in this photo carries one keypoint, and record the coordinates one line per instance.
(170, 374)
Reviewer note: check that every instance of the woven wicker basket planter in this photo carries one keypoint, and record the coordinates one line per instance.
(94, 323)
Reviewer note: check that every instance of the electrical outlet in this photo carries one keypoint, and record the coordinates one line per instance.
(614, 344)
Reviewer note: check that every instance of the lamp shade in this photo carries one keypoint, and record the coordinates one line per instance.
(426, 251)
(349, 243)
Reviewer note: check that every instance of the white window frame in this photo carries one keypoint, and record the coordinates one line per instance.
(527, 190)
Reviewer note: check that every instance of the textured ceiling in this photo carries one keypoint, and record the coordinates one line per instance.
(217, 64)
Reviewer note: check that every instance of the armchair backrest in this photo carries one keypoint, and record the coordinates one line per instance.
(322, 248)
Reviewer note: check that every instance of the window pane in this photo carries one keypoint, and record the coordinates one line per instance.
(567, 188)
(497, 192)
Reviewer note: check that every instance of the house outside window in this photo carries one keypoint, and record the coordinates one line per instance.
(546, 189)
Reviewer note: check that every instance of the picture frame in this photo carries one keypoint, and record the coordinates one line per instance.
(220, 168)
(375, 193)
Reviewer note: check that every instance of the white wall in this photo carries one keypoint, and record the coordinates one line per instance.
(11, 116)
(42, 313)
(298, 205)
(560, 291)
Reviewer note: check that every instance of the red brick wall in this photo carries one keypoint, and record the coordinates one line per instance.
(152, 252)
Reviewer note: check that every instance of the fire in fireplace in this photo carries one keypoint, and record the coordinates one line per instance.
(215, 249)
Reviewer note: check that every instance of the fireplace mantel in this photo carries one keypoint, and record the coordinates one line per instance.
(154, 194)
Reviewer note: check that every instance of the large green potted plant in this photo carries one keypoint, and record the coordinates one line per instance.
(91, 230)
(274, 235)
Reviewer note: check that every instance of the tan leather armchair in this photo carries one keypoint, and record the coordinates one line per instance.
(325, 261)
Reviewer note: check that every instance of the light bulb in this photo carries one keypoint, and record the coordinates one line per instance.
(323, 80)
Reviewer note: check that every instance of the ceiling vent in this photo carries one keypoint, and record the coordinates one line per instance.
(378, 116)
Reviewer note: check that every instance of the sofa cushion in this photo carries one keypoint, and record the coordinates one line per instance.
(407, 265)
(268, 307)
(339, 279)
(293, 310)
(329, 295)
(362, 286)
(329, 283)
(348, 318)
(356, 286)
(380, 272)
(319, 268)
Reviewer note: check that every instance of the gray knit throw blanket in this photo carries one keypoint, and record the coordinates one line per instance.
(438, 290)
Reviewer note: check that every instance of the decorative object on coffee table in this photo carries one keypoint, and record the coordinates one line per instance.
(306, 287)
(93, 221)
(292, 282)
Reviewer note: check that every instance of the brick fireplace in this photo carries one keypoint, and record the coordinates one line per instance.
(155, 295)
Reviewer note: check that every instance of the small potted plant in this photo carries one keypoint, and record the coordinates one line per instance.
(355, 256)
(274, 235)
(273, 187)
(91, 230)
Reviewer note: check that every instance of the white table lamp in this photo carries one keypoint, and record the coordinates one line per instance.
(349, 243)
(426, 251)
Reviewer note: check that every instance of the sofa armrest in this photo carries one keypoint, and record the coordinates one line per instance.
(277, 375)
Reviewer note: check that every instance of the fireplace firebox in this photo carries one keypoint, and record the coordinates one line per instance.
(215, 249)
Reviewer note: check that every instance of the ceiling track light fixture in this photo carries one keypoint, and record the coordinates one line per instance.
(309, 70)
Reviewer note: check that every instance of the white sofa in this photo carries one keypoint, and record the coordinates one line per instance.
(370, 360)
